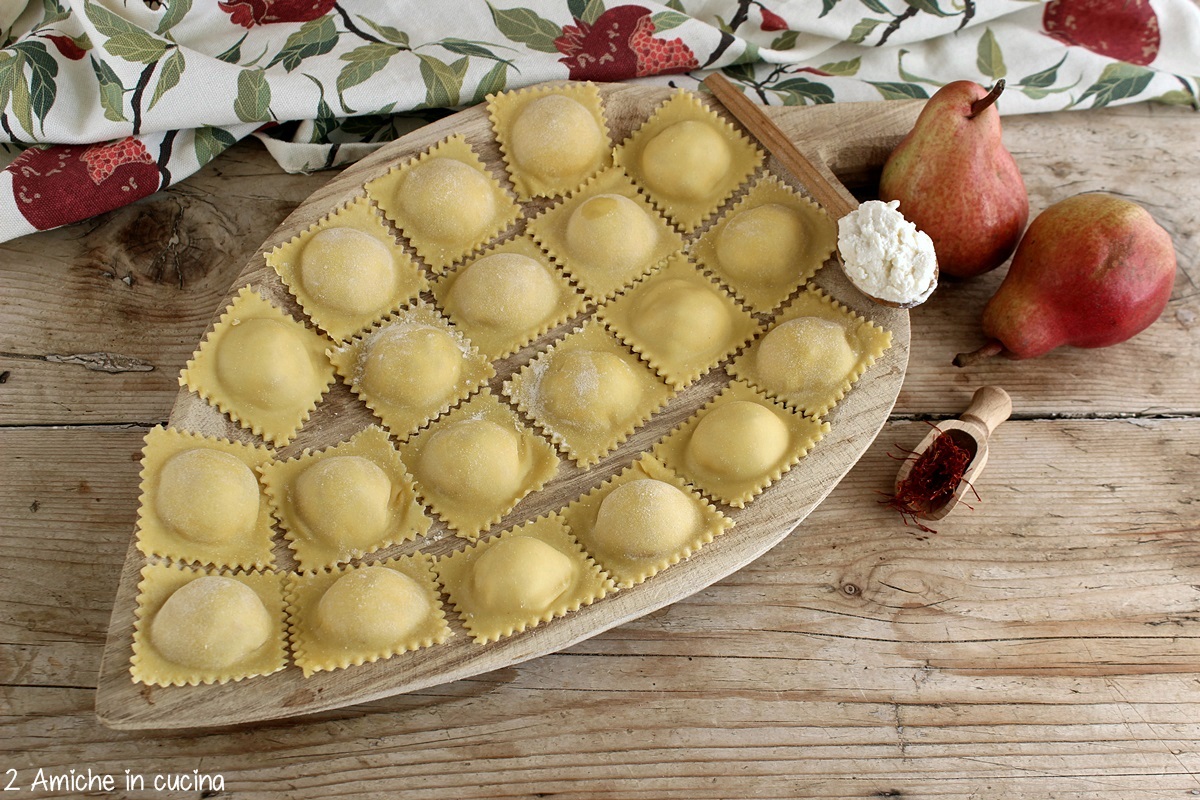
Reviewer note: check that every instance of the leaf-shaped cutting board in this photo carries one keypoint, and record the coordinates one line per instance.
(853, 136)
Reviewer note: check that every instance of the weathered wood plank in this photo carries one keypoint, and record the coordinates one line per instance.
(520, 739)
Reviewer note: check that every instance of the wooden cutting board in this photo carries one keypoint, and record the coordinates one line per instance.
(850, 138)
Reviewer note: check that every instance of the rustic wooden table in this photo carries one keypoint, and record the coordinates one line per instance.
(1044, 644)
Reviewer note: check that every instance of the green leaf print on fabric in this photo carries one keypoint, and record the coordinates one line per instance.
(842, 68)
(253, 103)
(990, 60)
(463, 47)
(361, 64)
(210, 142)
(929, 7)
(494, 81)
(112, 93)
(176, 11)
(168, 78)
(802, 92)
(862, 29)
(43, 68)
(525, 26)
(785, 40)
(315, 38)
(1039, 84)
(396, 37)
(1117, 82)
(586, 10)
(900, 91)
(20, 94)
(234, 54)
(136, 46)
(443, 82)
(666, 20)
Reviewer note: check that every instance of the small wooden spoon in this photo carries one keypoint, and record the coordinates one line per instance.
(990, 406)
(813, 174)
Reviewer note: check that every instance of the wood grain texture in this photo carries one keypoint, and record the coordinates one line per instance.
(854, 423)
(1041, 645)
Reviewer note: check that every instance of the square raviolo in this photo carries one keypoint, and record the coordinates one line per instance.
(553, 138)
(606, 234)
(412, 368)
(507, 297)
(346, 271)
(588, 393)
(476, 463)
(679, 321)
(688, 159)
(202, 626)
(768, 244)
(445, 201)
(345, 501)
(360, 614)
(260, 366)
(813, 354)
(642, 521)
(201, 501)
(739, 444)
(520, 579)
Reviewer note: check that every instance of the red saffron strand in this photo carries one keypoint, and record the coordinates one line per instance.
(934, 476)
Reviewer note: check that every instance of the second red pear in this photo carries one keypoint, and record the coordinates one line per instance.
(957, 182)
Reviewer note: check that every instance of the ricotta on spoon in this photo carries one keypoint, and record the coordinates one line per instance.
(885, 256)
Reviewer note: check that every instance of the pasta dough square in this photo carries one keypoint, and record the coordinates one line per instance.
(739, 444)
(355, 615)
(813, 354)
(345, 501)
(679, 321)
(588, 393)
(261, 367)
(201, 501)
(476, 463)
(527, 575)
(606, 234)
(445, 201)
(507, 297)
(347, 271)
(688, 159)
(642, 521)
(768, 245)
(412, 369)
(201, 626)
(553, 138)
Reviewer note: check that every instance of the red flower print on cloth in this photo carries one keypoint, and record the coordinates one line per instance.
(620, 45)
(66, 183)
(772, 21)
(1126, 31)
(67, 46)
(249, 13)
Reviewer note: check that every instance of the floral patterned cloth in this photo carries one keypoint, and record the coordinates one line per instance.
(107, 101)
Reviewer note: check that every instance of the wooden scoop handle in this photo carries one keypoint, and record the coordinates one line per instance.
(990, 406)
(837, 202)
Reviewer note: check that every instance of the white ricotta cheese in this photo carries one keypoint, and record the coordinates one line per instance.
(885, 255)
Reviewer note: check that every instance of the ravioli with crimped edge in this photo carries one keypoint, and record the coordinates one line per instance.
(489, 351)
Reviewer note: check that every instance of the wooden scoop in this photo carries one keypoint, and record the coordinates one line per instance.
(815, 176)
(990, 406)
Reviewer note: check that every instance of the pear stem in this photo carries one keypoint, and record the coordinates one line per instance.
(979, 105)
(991, 348)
